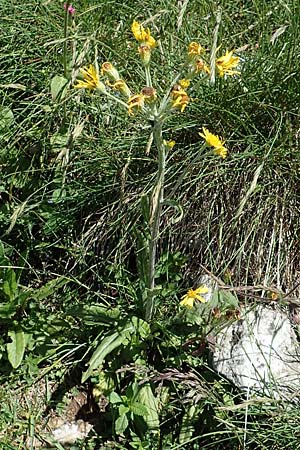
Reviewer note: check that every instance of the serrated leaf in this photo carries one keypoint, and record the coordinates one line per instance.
(58, 87)
(146, 397)
(16, 348)
(6, 117)
(121, 424)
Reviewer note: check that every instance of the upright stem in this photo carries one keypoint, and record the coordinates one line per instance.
(155, 215)
(214, 49)
(65, 38)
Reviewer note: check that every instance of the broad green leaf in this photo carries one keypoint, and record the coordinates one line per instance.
(146, 397)
(139, 409)
(7, 310)
(10, 285)
(187, 428)
(141, 326)
(123, 409)
(108, 344)
(95, 314)
(16, 348)
(58, 87)
(121, 424)
(114, 398)
(6, 117)
(224, 299)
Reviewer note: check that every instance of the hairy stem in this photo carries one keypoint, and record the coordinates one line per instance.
(155, 215)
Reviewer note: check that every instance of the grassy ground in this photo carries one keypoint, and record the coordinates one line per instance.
(70, 208)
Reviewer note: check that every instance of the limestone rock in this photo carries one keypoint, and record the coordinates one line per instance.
(260, 352)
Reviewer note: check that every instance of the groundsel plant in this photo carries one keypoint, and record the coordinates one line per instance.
(147, 105)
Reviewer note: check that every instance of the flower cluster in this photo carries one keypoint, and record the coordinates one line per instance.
(178, 98)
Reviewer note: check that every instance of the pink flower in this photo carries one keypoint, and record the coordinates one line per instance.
(71, 9)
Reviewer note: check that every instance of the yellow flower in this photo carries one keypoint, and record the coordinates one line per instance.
(226, 63)
(195, 50)
(192, 295)
(137, 102)
(141, 35)
(214, 141)
(110, 71)
(169, 144)
(180, 98)
(184, 83)
(90, 79)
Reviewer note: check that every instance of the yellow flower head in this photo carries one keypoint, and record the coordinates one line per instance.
(195, 50)
(180, 98)
(184, 83)
(214, 141)
(135, 102)
(192, 295)
(90, 79)
(110, 71)
(169, 144)
(141, 35)
(226, 63)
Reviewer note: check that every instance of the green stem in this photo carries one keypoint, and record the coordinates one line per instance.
(155, 215)
(148, 76)
(65, 38)
(214, 49)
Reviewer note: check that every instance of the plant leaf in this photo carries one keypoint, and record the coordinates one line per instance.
(108, 344)
(58, 87)
(121, 424)
(16, 348)
(6, 117)
(146, 398)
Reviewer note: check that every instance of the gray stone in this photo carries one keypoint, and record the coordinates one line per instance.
(260, 352)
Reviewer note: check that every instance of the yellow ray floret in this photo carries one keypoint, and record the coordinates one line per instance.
(135, 102)
(141, 35)
(195, 50)
(90, 79)
(226, 63)
(214, 141)
(179, 97)
(192, 295)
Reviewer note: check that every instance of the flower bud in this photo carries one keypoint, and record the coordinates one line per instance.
(109, 70)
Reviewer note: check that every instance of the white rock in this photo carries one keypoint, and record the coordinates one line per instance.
(260, 352)
(68, 433)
